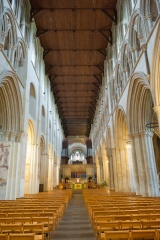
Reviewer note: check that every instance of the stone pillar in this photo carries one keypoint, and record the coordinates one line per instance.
(135, 165)
(31, 183)
(140, 165)
(22, 163)
(115, 169)
(44, 171)
(50, 174)
(124, 167)
(55, 175)
(13, 173)
(111, 173)
(119, 170)
(101, 169)
(105, 169)
(145, 173)
(98, 173)
(107, 176)
(152, 177)
(130, 167)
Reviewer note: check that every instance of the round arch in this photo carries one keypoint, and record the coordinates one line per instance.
(121, 163)
(140, 113)
(10, 103)
(139, 98)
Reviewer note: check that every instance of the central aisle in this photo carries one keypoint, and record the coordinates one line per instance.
(75, 224)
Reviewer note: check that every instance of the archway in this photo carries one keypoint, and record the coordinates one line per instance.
(122, 166)
(31, 170)
(11, 117)
(140, 113)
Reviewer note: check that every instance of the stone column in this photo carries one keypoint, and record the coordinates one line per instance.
(111, 173)
(98, 173)
(135, 165)
(44, 170)
(106, 171)
(124, 167)
(55, 176)
(50, 174)
(115, 168)
(22, 163)
(101, 169)
(152, 164)
(12, 188)
(140, 165)
(119, 170)
(130, 167)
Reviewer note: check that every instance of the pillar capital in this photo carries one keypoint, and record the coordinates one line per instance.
(146, 133)
(136, 135)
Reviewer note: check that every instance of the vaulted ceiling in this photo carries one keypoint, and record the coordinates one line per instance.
(74, 35)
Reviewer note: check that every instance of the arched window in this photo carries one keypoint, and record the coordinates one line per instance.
(32, 101)
(19, 54)
(136, 37)
(126, 61)
(123, 17)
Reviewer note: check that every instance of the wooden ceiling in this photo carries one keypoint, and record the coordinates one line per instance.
(74, 35)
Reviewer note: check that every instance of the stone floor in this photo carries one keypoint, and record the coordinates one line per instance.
(75, 224)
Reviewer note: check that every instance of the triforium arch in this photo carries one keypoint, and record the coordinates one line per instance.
(135, 36)
(140, 113)
(121, 161)
(8, 37)
(149, 10)
(19, 54)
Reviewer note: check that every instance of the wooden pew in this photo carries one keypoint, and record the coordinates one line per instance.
(4, 237)
(143, 234)
(115, 235)
(28, 236)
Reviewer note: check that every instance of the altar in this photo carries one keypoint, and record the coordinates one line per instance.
(77, 186)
